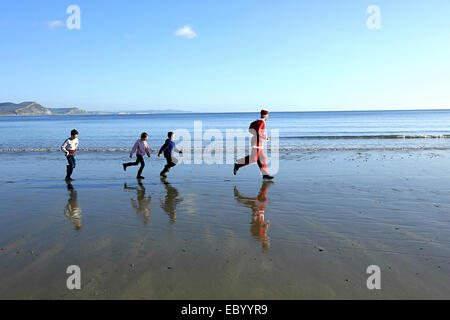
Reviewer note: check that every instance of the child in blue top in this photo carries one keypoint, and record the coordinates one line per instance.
(167, 148)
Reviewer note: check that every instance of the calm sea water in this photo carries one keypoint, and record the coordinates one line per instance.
(363, 130)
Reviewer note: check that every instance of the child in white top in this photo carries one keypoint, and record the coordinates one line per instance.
(69, 147)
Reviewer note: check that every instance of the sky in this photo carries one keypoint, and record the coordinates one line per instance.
(233, 55)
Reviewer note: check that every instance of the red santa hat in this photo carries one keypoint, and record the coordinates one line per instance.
(264, 113)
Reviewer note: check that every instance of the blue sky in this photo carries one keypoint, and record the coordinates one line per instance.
(284, 55)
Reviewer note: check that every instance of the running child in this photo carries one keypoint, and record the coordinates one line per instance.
(167, 148)
(141, 148)
(69, 147)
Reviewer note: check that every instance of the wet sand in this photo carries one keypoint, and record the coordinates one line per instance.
(205, 234)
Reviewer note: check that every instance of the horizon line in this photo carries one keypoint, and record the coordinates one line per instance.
(278, 111)
(172, 110)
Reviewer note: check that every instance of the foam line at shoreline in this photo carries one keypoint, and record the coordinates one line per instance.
(281, 149)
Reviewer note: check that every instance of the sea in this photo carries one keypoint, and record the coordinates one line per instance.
(293, 131)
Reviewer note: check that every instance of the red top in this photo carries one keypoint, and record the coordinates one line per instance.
(257, 129)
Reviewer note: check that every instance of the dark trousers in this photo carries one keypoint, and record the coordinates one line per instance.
(257, 155)
(71, 166)
(170, 163)
(139, 160)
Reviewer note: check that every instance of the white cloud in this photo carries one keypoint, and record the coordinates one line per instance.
(55, 24)
(186, 31)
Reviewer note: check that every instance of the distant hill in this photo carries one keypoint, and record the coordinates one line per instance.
(35, 109)
(67, 111)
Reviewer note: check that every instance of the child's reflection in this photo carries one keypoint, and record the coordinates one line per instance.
(258, 227)
(169, 205)
(72, 210)
(142, 204)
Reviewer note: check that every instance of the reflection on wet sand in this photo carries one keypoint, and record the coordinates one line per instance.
(142, 205)
(72, 210)
(169, 205)
(259, 227)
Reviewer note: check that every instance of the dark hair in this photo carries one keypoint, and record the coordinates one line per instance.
(144, 135)
(170, 134)
(73, 132)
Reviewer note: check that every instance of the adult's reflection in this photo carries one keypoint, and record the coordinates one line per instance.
(73, 210)
(169, 204)
(259, 227)
(142, 204)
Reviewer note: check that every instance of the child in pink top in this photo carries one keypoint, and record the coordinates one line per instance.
(141, 148)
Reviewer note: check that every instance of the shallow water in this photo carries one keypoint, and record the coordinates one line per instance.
(204, 233)
(298, 131)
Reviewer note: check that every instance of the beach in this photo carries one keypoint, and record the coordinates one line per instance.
(199, 234)
(222, 157)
